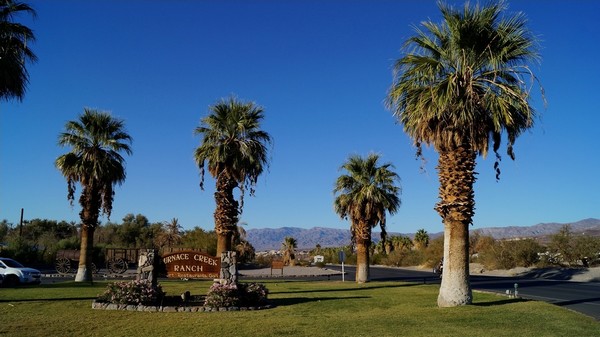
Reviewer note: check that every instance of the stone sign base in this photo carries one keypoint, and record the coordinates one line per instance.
(158, 308)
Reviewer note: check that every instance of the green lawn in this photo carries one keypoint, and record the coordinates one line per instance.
(303, 309)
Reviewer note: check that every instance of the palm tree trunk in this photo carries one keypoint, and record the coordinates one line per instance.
(226, 213)
(84, 271)
(362, 262)
(363, 243)
(223, 243)
(456, 174)
(90, 201)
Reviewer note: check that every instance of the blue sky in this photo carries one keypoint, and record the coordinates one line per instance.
(321, 70)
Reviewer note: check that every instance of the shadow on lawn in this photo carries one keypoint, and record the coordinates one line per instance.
(359, 288)
(299, 300)
(48, 299)
(501, 302)
(73, 284)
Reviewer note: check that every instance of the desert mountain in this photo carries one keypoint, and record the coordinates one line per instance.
(271, 238)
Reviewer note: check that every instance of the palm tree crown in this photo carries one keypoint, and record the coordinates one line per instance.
(465, 80)
(233, 143)
(95, 161)
(366, 192)
(461, 85)
(288, 247)
(14, 52)
(234, 148)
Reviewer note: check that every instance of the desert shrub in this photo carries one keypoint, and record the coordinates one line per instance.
(320, 264)
(22, 251)
(496, 255)
(377, 258)
(561, 244)
(509, 254)
(586, 249)
(404, 258)
(525, 252)
(434, 252)
(262, 261)
(350, 259)
(331, 254)
(303, 263)
(546, 260)
(133, 292)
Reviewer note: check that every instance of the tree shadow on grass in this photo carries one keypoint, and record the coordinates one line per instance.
(73, 284)
(299, 300)
(359, 288)
(501, 302)
(48, 299)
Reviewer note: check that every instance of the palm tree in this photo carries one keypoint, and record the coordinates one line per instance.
(288, 247)
(171, 233)
(245, 251)
(366, 193)
(234, 150)
(462, 85)
(14, 52)
(421, 239)
(94, 162)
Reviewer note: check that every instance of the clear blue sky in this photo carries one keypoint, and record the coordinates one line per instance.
(321, 70)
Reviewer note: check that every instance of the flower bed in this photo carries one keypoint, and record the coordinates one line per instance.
(172, 308)
(142, 296)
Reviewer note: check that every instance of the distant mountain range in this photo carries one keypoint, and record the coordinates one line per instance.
(271, 238)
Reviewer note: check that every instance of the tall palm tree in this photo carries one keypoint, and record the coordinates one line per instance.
(462, 85)
(170, 234)
(366, 193)
(94, 162)
(245, 251)
(234, 148)
(14, 51)
(421, 239)
(288, 247)
(401, 242)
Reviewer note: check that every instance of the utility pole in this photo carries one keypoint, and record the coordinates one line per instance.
(21, 224)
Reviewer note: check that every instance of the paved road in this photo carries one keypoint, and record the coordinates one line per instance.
(583, 297)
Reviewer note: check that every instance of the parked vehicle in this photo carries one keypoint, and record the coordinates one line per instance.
(15, 273)
(439, 268)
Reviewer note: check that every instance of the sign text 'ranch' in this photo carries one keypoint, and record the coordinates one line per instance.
(191, 264)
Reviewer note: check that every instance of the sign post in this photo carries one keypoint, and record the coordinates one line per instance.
(342, 257)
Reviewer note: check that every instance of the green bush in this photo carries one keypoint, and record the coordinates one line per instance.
(434, 252)
(404, 258)
(510, 254)
(262, 261)
(377, 259)
(320, 264)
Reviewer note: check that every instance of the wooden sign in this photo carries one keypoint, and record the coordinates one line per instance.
(191, 264)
